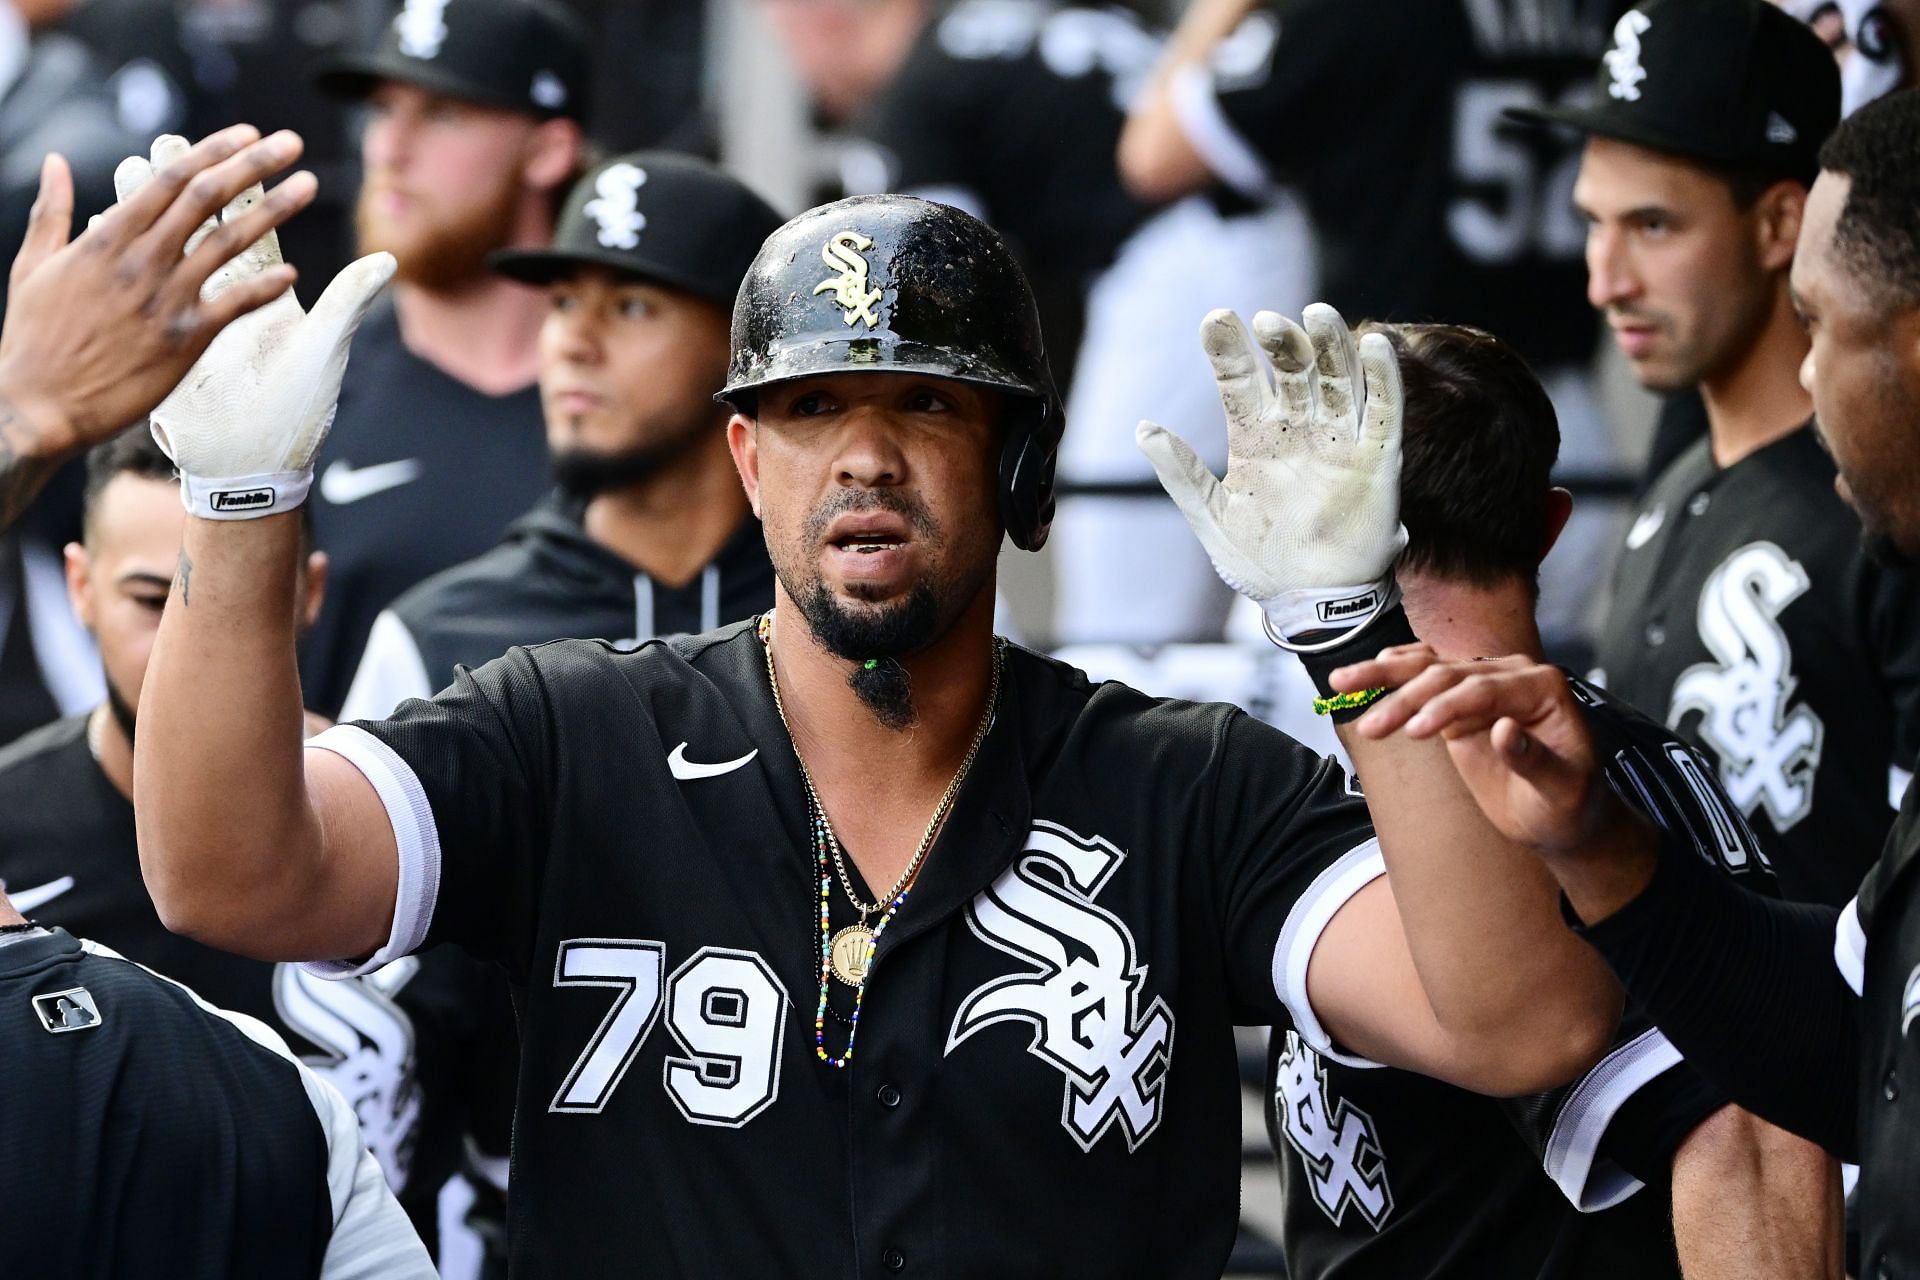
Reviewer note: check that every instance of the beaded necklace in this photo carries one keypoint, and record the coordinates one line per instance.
(848, 955)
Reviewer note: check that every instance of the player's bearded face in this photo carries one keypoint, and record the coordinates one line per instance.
(443, 186)
(877, 495)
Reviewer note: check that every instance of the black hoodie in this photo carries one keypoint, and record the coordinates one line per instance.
(547, 580)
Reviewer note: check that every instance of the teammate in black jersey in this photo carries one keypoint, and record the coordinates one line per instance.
(1386, 1174)
(1744, 612)
(473, 132)
(1058, 897)
(1803, 1012)
(650, 533)
(393, 1043)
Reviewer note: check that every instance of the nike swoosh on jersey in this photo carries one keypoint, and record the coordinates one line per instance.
(342, 482)
(688, 770)
(40, 895)
(1645, 527)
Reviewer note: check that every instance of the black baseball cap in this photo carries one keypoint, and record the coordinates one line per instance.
(524, 55)
(659, 216)
(1738, 84)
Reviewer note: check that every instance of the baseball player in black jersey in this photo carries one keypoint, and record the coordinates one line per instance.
(1388, 1174)
(393, 1043)
(650, 534)
(1745, 613)
(698, 859)
(473, 133)
(1803, 1012)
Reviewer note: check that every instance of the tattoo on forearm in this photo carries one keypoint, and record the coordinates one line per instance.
(185, 578)
(22, 472)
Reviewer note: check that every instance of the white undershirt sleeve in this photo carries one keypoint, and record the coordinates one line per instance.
(391, 671)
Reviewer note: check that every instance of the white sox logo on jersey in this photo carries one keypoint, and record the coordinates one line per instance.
(367, 1051)
(1336, 1141)
(1623, 60)
(1083, 999)
(422, 28)
(615, 205)
(1767, 754)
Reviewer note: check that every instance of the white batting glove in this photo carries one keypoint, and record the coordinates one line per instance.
(244, 424)
(1307, 521)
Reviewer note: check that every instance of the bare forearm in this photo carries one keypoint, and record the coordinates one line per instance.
(1481, 914)
(1750, 1199)
(220, 792)
(1154, 157)
(29, 453)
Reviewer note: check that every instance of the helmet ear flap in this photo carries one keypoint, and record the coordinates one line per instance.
(1026, 474)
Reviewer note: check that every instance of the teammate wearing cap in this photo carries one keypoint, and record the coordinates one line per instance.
(1058, 897)
(1804, 1012)
(1392, 1175)
(473, 133)
(1424, 206)
(650, 534)
(1745, 612)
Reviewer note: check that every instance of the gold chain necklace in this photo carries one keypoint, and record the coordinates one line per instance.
(848, 954)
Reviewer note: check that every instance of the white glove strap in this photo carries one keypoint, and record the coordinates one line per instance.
(1348, 610)
(245, 497)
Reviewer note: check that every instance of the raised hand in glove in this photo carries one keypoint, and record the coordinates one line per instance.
(244, 424)
(1306, 522)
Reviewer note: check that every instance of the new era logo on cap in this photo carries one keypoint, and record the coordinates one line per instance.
(71, 1010)
(1779, 131)
(421, 26)
(1623, 60)
(548, 90)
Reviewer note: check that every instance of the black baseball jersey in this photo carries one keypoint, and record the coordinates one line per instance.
(1385, 117)
(419, 473)
(547, 581)
(1013, 108)
(144, 1133)
(1747, 615)
(1392, 1175)
(394, 1043)
(1045, 1076)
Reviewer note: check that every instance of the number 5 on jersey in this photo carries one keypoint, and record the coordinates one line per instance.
(725, 1008)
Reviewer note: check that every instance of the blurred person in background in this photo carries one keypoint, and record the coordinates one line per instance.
(1877, 43)
(1424, 207)
(473, 133)
(1010, 110)
(650, 533)
(1746, 614)
(394, 1043)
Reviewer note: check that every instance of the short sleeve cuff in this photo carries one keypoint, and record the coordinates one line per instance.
(414, 834)
(1332, 889)
(1213, 137)
(1850, 947)
(1572, 1157)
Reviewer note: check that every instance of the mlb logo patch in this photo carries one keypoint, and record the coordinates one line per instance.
(63, 1011)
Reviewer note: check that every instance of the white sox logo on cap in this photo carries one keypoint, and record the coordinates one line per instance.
(422, 27)
(615, 206)
(1623, 60)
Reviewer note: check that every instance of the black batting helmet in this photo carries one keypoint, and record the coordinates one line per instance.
(893, 284)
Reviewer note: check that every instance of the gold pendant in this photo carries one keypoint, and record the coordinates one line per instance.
(852, 950)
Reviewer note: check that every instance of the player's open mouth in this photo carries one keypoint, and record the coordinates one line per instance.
(868, 533)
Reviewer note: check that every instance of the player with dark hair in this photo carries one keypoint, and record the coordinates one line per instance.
(1803, 1012)
(1744, 613)
(649, 534)
(1011, 902)
(1378, 1166)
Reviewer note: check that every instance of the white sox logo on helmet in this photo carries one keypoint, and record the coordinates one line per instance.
(1082, 998)
(849, 286)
